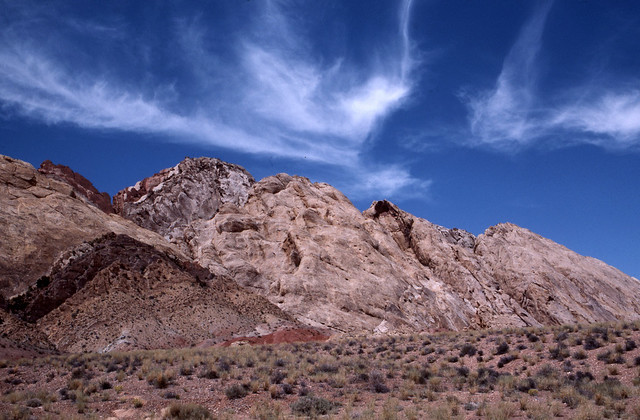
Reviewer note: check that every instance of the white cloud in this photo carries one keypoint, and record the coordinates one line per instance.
(611, 118)
(390, 181)
(277, 98)
(513, 114)
(504, 116)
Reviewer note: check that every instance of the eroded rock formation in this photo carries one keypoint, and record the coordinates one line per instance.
(42, 217)
(310, 251)
(116, 293)
(81, 186)
(178, 197)
(208, 254)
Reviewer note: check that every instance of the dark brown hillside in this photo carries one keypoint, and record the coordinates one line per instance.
(116, 293)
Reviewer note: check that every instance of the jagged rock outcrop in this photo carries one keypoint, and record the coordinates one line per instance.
(116, 293)
(179, 197)
(81, 185)
(214, 255)
(41, 217)
(553, 283)
(310, 251)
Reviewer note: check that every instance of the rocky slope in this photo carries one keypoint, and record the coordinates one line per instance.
(178, 198)
(81, 186)
(116, 293)
(310, 251)
(73, 277)
(208, 254)
(41, 217)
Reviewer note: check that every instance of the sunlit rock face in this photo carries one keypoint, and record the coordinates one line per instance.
(42, 217)
(306, 248)
(208, 254)
(177, 198)
(76, 278)
(81, 186)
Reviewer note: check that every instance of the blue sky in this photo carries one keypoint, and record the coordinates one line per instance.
(467, 113)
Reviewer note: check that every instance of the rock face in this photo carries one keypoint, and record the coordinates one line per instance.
(553, 283)
(209, 255)
(41, 217)
(116, 293)
(307, 249)
(81, 185)
(177, 197)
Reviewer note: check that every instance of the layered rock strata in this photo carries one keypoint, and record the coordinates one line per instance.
(306, 248)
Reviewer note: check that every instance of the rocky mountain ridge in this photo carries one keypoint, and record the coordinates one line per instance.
(201, 253)
(306, 248)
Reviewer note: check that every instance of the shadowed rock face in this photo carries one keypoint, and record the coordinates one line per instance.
(310, 251)
(175, 198)
(118, 293)
(81, 186)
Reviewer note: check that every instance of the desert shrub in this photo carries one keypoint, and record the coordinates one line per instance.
(506, 359)
(468, 350)
(186, 370)
(570, 397)
(208, 372)
(559, 352)
(486, 377)
(418, 376)
(277, 376)
(499, 411)
(526, 384)
(235, 391)
(532, 337)
(376, 380)
(16, 413)
(613, 389)
(223, 364)
(630, 345)
(452, 359)
(591, 343)
(636, 361)
(275, 391)
(170, 395)
(548, 378)
(580, 355)
(160, 379)
(104, 384)
(462, 371)
(33, 402)
(312, 406)
(187, 412)
(610, 357)
(502, 348)
(327, 368)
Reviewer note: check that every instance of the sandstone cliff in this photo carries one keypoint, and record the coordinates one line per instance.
(177, 198)
(81, 185)
(310, 251)
(41, 217)
(75, 278)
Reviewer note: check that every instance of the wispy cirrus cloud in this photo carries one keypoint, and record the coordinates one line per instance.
(514, 114)
(505, 115)
(609, 118)
(268, 94)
